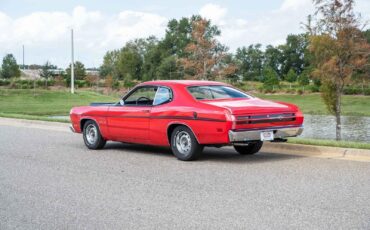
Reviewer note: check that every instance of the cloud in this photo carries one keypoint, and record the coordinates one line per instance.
(46, 35)
(129, 25)
(214, 12)
(269, 27)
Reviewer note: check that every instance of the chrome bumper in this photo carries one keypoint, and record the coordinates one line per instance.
(255, 135)
(72, 129)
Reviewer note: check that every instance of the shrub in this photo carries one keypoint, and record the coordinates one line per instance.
(351, 90)
(4, 82)
(299, 91)
(80, 83)
(314, 88)
(271, 78)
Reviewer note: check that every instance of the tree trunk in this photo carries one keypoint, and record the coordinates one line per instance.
(363, 86)
(338, 127)
(204, 70)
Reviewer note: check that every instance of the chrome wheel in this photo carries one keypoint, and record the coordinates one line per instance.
(91, 134)
(183, 142)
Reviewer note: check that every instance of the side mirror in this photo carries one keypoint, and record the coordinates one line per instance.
(121, 102)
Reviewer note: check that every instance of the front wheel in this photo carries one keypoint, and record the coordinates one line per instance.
(250, 149)
(184, 145)
(92, 136)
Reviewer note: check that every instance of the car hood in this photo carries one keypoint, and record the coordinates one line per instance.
(252, 105)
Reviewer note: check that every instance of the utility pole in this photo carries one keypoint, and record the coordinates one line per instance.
(72, 66)
(23, 57)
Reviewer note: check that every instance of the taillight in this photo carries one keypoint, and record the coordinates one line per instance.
(232, 118)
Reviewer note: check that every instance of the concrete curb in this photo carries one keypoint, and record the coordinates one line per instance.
(278, 148)
(316, 151)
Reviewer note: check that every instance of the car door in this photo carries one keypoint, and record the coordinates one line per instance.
(160, 115)
(130, 122)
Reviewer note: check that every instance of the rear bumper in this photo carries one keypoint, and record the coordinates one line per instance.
(255, 134)
(72, 129)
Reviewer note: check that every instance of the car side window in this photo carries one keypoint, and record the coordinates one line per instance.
(163, 95)
(142, 96)
(201, 93)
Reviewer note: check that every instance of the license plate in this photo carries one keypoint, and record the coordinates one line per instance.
(267, 136)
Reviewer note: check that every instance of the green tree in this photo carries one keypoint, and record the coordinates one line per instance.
(46, 73)
(303, 79)
(250, 62)
(291, 76)
(10, 68)
(273, 58)
(270, 78)
(367, 35)
(130, 63)
(293, 54)
(168, 68)
(110, 63)
(79, 71)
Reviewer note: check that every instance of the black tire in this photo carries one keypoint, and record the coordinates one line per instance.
(185, 152)
(92, 142)
(250, 149)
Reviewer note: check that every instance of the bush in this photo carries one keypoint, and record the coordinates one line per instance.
(291, 91)
(351, 90)
(271, 78)
(80, 83)
(314, 88)
(267, 89)
(115, 85)
(4, 82)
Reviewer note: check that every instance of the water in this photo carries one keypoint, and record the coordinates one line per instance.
(59, 117)
(323, 127)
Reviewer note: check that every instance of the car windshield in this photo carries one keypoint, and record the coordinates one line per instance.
(215, 92)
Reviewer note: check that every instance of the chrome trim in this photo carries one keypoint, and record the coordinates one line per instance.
(72, 129)
(255, 135)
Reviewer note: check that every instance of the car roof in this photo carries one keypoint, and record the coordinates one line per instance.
(182, 82)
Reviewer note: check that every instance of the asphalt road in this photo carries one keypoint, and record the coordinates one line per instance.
(49, 180)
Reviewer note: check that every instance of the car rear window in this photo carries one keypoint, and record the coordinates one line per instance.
(215, 92)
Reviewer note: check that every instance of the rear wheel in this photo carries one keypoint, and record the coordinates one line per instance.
(184, 145)
(250, 149)
(92, 136)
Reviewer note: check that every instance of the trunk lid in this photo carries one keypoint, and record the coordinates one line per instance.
(254, 113)
(250, 105)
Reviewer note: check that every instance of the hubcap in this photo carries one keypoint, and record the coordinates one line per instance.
(91, 134)
(183, 142)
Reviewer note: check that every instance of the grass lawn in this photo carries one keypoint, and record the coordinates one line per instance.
(59, 102)
(14, 102)
(330, 143)
(313, 104)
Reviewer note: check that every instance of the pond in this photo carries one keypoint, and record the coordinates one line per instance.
(323, 127)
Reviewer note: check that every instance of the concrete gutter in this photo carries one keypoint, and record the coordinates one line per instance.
(317, 151)
(278, 148)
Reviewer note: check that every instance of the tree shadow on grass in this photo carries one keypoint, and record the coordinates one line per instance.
(210, 154)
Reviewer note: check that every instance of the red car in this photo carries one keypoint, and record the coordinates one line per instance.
(188, 115)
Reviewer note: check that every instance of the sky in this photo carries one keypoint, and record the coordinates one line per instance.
(43, 26)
